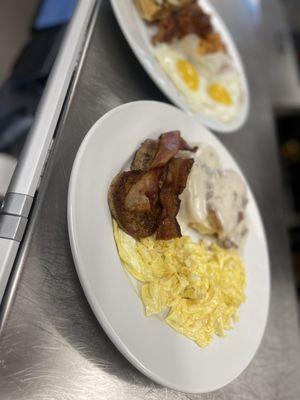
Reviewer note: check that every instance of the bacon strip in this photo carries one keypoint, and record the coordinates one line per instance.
(168, 227)
(175, 182)
(188, 19)
(168, 146)
(145, 200)
(144, 193)
(144, 155)
(137, 221)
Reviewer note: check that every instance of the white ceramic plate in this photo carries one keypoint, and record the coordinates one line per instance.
(138, 36)
(149, 344)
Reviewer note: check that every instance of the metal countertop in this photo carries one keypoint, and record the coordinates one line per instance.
(51, 345)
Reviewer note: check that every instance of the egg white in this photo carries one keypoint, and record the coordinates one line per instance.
(168, 56)
(212, 68)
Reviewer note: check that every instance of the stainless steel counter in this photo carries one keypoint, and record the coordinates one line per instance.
(51, 346)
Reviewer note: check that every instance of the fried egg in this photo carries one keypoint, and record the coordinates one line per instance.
(198, 289)
(223, 96)
(183, 74)
(210, 83)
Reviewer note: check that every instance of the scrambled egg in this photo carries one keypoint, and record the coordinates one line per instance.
(200, 288)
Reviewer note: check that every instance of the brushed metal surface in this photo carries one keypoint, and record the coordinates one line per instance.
(51, 346)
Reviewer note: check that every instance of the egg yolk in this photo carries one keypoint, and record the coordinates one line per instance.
(188, 74)
(220, 94)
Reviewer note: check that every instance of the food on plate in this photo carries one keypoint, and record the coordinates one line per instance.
(195, 284)
(194, 56)
(188, 19)
(215, 199)
(152, 10)
(145, 200)
(196, 289)
(133, 201)
(209, 83)
(153, 153)
(211, 44)
(144, 155)
(174, 183)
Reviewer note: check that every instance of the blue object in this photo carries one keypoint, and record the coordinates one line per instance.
(54, 12)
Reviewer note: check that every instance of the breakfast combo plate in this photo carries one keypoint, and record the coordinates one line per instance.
(169, 246)
(189, 53)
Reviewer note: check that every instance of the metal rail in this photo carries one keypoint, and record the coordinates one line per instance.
(25, 181)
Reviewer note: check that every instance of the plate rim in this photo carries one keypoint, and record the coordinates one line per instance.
(104, 323)
(215, 125)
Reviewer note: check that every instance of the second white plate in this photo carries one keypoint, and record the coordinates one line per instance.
(138, 36)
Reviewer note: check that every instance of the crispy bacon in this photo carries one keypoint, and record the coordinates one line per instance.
(178, 172)
(135, 222)
(145, 200)
(144, 193)
(188, 19)
(144, 155)
(153, 153)
(168, 146)
(168, 228)
(167, 30)
(174, 184)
